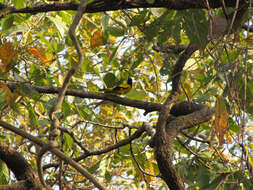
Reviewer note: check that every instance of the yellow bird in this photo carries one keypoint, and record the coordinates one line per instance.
(120, 89)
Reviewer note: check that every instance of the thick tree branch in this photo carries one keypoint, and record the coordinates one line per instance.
(22, 170)
(178, 67)
(112, 5)
(147, 106)
(55, 151)
(20, 185)
(161, 141)
(195, 115)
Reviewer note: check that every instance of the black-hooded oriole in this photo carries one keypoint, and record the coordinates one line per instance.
(120, 89)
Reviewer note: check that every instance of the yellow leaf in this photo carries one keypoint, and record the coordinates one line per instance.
(151, 170)
(19, 139)
(61, 79)
(249, 128)
(221, 119)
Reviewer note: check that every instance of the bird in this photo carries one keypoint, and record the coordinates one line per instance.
(120, 89)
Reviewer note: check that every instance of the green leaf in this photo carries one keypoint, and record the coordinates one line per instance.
(137, 95)
(138, 19)
(82, 113)
(94, 168)
(136, 63)
(4, 173)
(87, 113)
(176, 27)
(91, 86)
(231, 56)
(44, 122)
(60, 24)
(32, 116)
(68, 140)
(37, 74)
(247, 183)
(2, 98)
(214, 183)
(203, 176)
(105, 20)
(125, 149)
(108, 176)
(19, 4)
(110, 80)
(17, 29)
(114, 52)
(233, 126)
(115, 31)
(7, 22)
(66, 109)
(196, 26)
(158, 25)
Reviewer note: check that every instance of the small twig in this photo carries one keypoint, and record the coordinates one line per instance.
(70, 133)
(201, 160)
(156, 77)
(40, 155)
(187, 97)
(246, 156)
(224, 9)
(102, 125)
(234, 17)
(124, 142)
(139, 27)
(195, 139)
(137, 163)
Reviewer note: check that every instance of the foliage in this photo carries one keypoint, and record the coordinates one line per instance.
(37, 50)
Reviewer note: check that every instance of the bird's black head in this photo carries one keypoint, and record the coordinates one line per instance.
(130, 81)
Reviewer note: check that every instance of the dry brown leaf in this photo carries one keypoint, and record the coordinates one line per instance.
(8, 55)
(96, 39)
(39, 53)
(10, 97)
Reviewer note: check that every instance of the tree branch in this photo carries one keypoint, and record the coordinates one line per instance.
(136, 135)
(145, 127)
(22, 170)
(147, 106)
(55, 151)
(195, 115)
(105, 5)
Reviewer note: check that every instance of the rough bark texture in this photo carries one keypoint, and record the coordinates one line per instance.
(24, 173)
(112, 5)
(188, 115)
